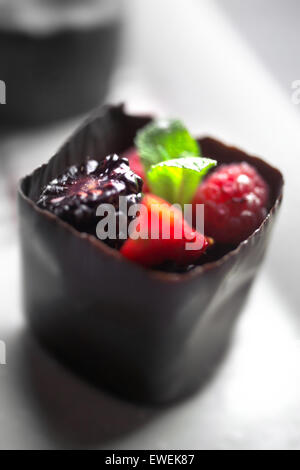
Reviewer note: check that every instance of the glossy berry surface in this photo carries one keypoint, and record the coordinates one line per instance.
(157, 248)
(236, 201)
(75, 196)
(136, 166)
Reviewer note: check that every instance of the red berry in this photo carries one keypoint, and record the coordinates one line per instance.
(154, 251)
(235, 198)
(136, 166)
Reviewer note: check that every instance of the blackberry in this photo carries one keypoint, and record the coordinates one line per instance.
(75, 196)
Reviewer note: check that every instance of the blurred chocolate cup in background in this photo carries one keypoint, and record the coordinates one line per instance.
(56, 57)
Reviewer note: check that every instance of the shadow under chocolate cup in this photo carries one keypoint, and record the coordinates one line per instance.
(144, 334)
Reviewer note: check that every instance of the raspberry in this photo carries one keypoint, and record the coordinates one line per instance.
(235, 198)
(75, 195)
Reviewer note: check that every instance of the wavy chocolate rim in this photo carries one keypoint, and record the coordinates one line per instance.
(156, 274)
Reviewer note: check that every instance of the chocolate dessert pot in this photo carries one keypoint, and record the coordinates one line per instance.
(142, 333)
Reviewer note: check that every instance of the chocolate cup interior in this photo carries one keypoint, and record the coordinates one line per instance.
(146, 335)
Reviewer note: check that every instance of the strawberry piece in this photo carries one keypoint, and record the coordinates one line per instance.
(136, 166)
(158, 217)
(235, 197)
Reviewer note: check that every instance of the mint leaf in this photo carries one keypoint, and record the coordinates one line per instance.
(164, 140)
(177, 180)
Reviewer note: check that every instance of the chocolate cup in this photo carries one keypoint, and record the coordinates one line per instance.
(147, 335)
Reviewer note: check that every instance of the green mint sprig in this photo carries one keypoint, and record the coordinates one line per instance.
(172, 160)
(164, 140)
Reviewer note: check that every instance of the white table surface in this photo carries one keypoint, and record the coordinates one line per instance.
(199, 68)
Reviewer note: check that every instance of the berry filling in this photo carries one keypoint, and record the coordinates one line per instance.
(168, 165)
